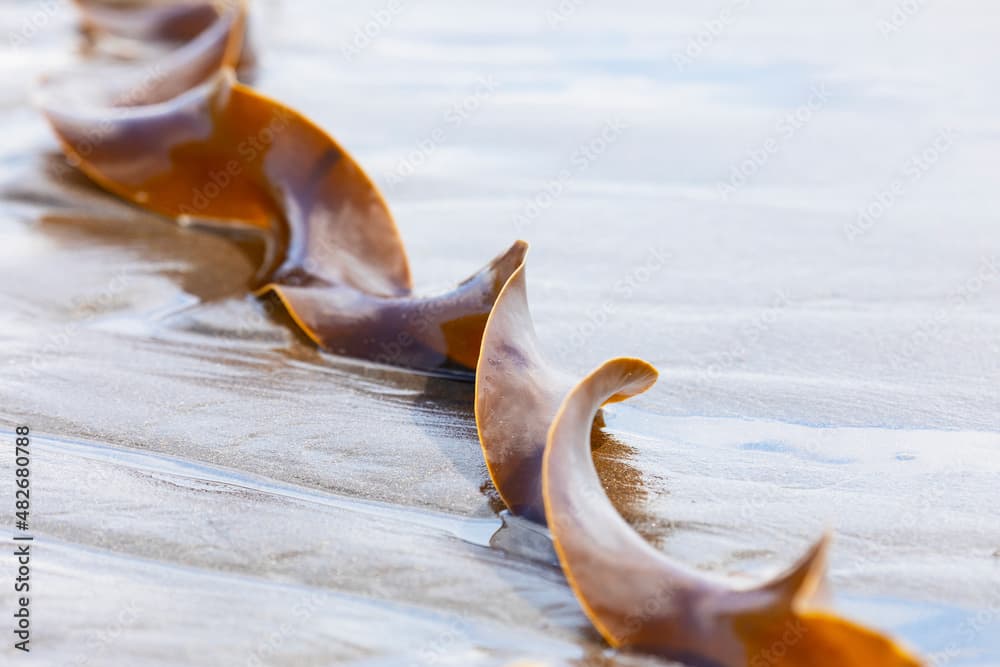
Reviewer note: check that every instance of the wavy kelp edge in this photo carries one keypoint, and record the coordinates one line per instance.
(638, 598)
(220, 154)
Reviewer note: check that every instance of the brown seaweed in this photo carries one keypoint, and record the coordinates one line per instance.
(220, 154)
(639, 598)
(191, 143)
(441, 331)
(517, 395)
(166, 23)
(535, 427)
(222, 43)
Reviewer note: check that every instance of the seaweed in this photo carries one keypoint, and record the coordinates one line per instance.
(188, 141)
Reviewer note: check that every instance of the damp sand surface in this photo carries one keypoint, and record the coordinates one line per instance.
(794, 219)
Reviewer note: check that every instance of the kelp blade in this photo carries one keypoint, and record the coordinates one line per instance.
(638, 598)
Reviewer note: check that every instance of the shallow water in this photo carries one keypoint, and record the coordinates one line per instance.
(211, 490)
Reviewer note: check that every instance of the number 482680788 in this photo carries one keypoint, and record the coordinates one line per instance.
(22, 494)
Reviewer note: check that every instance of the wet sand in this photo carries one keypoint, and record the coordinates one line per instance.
(209, 489)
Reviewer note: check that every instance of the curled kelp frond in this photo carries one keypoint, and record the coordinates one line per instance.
(175, 23)
(222, 155)
(430, 332)
(637, 597)
(517, 395)
(222, 43)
